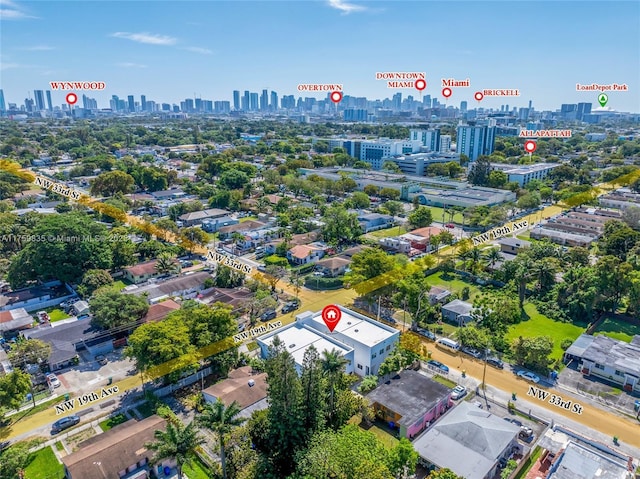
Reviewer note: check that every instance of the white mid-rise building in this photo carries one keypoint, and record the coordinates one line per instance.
(363, 342)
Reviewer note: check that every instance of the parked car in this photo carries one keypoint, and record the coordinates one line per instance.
(525, 431)
(53, 380)
(102, 359)
(439, 365)
(458, 392)
(287, 308)
(471, 352)
(450, 225)
(268, 315)
(262, 268)
(426, 333)
(64, 423)
(529, 376)
(495, 362)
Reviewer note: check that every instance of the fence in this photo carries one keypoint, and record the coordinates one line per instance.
(184, 382)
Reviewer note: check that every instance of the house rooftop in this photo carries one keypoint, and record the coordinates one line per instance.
(159, 311)
(580, 462)
(236, 388)
(140, 269)
(458, 306)
(105, 455)
(514, 242)
(608, 351)
(409, 394)
(15, 319)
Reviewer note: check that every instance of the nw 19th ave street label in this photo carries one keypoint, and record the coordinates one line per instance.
(555, 400)
(85, 399)
(252, 333)
(499, 232)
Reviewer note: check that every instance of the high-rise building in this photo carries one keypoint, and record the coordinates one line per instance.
(463, 106)
(236, 100)
(3, 106)
(39, 99)
(264, 100)
(49, 102)
(355, 114)
(246, 97)
(474, 141)
(166, 107)
(253, 102)
(524, 113)
(583, 109)
(131, 104)
(426, 101)
(143, 102)
(221, 107)
(445, 144)
(274, 101)
(29, 105)
(188, 105)
(288, 102)
(114, 103)
(397, 101)
(427, 138)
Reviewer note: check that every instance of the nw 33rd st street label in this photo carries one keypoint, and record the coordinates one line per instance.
(554, 399)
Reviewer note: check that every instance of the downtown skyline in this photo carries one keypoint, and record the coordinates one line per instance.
(208, 49)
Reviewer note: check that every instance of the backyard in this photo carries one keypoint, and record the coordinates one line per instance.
(540, 325)
(113, 421)
(454, 283)
(387, 233)
(619, 328)
(56, 314)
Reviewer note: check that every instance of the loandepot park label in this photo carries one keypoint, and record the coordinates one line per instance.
(500, 232)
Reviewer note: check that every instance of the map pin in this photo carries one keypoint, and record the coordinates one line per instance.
(603, 99)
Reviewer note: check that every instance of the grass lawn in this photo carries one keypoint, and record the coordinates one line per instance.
(387, 233)
(444, 381)
(145, 410)
(436, 213)
(59, 446)
(622, 330)
(385, 438)
(113, 421)
(539, 325)
(57, 315)
(252, 346)
(119, 285)
(14, 418)
(44, 465)
(196, 470)
(455, 285)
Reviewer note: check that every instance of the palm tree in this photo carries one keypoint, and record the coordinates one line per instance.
(166, 264)
(263, 204)
(435, 241)
(475, 256)
(236, 237)
(296, 281)
(178, 442)
(221, 420)
(493, 256)
(332, 364)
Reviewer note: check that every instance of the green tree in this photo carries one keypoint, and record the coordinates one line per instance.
(340, 226)
(313, 401)
(167, 264)
(369, 263)
(613, 282)
(533, 353)
(497, 179)
(474, 337)
(480, 171)
(444, 474)
(233, 179)
(177, 442)
(273, 275)
(394, 208)
(496, 311)
(112, 309)
(360, 200)
(333, 366)
(92, 280)
(403, 459)
(112, 182)
(420, 217)
(222, 420)
(14, 459)
(14, 388)
(29, 351)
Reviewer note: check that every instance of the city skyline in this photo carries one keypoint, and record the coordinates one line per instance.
(195, 49)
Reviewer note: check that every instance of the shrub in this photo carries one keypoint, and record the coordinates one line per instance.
(566, 343)
(465, 293)
(274, 260)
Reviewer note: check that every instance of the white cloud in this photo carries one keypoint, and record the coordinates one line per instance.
(38, 48)
(10, 14)
(149, 38)
(203, 51)
(131, 65)
(345, 7)
(13, 66)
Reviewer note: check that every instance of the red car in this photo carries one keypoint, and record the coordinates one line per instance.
(450, 225)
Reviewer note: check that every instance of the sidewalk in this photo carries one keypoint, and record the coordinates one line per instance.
(30, 405)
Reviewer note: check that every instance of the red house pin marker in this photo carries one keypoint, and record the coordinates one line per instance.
(331, 316)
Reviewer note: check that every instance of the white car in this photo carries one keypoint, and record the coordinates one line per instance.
(458, 392)
(529, 376)
(53, 380)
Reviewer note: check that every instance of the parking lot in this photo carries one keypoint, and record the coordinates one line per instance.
(89, 375)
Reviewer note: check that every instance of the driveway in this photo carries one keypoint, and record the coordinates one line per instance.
(89, 375)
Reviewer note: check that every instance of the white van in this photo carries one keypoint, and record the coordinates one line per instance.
(449, 344)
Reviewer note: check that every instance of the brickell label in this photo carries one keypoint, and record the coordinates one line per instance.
(501, 92)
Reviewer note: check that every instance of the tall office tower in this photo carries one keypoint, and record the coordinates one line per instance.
(288, 102)
(131, 104)
(524, 113)
(474, 141)
(264, 100)
(143, 102)
(176, 108)
(151, 106)
(426, 101)
(355, 114)
(435, 103)
(166, 107)
(236, 100)
(222, 107)
(207, 105)
(183, 106)
(39, 99)
(122, 105)
(114, 103)
(274, 101)
(245, 100)
(583, 109)
(530, 105)
(445, 144)
(253, 102)
(427, 138)
(188, 105)
(463, 106)
(85, 102)
(506, 108)
(3, 106)
(29, 105)
(501, 107)
(199, 106)
(49, 102)
(397, 101)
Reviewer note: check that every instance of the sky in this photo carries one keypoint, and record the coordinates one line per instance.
(172, 50)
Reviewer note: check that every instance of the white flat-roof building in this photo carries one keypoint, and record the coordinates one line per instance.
(523, 174)
(363, 341)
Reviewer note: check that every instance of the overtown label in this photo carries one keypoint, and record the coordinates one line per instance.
(85, 399)
(554, 399)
